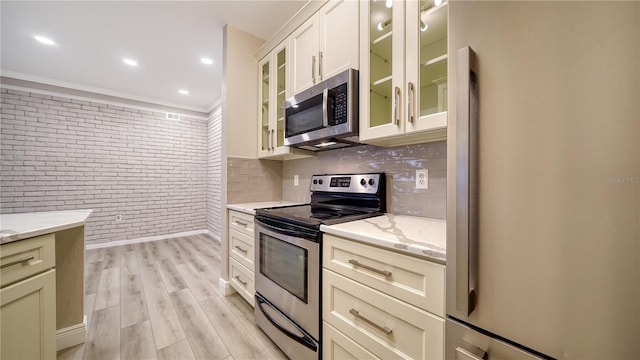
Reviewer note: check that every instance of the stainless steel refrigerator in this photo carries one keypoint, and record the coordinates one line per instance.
(543, 192)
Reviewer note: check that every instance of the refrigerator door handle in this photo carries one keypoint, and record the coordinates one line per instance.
(466, 250)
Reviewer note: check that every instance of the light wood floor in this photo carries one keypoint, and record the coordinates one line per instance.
(160, 300)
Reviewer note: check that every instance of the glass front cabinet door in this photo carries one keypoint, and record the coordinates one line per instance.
(403, 77)
(272, 92)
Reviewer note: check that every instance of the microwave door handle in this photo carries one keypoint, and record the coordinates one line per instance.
(325, 112)
(466, 218)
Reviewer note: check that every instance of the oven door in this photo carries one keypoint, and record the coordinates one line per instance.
(288, 272)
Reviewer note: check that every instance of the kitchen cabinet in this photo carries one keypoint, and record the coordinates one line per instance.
(403, 77)
(273, 90)
(325, 45)
(28, 299)
(378, 303)
(241, 254)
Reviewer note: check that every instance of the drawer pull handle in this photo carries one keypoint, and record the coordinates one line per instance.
(241, 249)
(244, 283)
(384, 329)
(241, 223)
(20, 261)
(386, 273)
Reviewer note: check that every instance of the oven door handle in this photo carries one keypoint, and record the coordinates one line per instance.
(283, 229)
(305, 339)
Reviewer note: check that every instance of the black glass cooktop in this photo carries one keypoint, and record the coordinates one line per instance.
(316, 215)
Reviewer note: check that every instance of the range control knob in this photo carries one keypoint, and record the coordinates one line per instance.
(363, 182)
(320, 181)
(371, 182)
(315, 181)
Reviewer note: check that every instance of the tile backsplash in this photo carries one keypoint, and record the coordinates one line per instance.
(253, 180)
(399, 164)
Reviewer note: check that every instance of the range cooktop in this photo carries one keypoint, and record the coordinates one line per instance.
(335, 199)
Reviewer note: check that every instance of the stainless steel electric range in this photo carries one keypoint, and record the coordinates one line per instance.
(288, 256)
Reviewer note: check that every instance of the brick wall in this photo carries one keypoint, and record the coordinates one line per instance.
(214, 173)
(59, 153)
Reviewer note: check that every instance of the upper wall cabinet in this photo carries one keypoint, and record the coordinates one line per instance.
(325, 45)
(403, 77)
(272, 72)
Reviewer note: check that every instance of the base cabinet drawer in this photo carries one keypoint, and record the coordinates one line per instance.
(241, 248)
(335, 345)
(28, 326)
(24, 258)
(384, 325)
(241, 222)
(242, 280)
(416, 281)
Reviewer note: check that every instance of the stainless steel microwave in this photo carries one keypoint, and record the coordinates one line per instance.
(324, 116)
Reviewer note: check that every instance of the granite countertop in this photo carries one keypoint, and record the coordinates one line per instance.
(250, 208)
(15, 227)
(424, 237)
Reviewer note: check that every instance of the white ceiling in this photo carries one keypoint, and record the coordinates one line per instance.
(167, 38)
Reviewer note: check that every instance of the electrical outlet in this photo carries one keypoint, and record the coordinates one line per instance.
(295, 180)
(422, 179)
(118, 217)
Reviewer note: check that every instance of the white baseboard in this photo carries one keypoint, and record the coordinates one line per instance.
(144, 239)
(214, 236)
(225, 287)
(72, 335)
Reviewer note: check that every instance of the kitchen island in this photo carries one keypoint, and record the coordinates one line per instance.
(35, 245)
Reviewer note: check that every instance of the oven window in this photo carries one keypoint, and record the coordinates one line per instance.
(285, 264)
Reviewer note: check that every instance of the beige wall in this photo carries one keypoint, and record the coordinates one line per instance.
(239, 117)
(240, 91)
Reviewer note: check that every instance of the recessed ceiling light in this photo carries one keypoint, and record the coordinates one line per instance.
(207, 61)
(130, 62)
(183, 92)
(44, 40)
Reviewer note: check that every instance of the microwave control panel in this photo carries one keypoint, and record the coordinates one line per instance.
(339, 99)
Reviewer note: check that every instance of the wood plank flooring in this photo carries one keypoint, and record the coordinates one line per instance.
(160, 300)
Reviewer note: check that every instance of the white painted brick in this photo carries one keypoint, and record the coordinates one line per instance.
(72, 154)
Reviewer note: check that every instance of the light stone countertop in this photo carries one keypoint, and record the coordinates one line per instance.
(424, 237)
(15, 227)
(250, 208)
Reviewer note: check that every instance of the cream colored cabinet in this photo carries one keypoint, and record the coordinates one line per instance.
(273, 90)
(241, 253)
(403, 77)
(28, 299)
(325, 45)
(378, 303)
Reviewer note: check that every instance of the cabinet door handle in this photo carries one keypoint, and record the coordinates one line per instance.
(384, 329)
(320, 65)
(241, 249)
(244, 283)
(412, 96)
(244, 224)
(19, 261)
(273, 140)
(313, 68)
(386, 273)
(396, 109)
